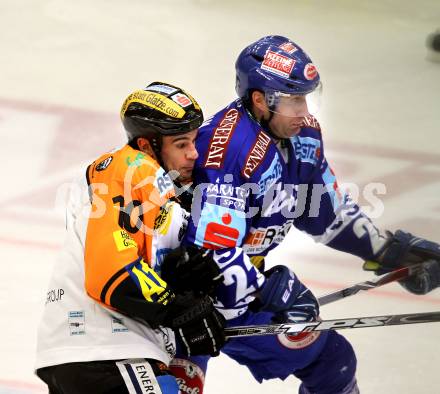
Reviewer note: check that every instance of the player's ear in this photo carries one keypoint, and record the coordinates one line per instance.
(258, 100)
(145, 146)
(141, 143)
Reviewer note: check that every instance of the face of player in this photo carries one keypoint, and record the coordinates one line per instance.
(286, 114)
(284, 126)
(179, 153)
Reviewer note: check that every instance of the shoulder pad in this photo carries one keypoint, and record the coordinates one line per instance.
(220, 138)
(311, 121)
(256, 154)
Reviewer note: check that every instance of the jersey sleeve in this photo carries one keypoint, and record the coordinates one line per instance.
(332, 218)
(123, 226)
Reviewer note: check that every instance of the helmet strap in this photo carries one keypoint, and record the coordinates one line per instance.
(152, 149)
(263, 122)
(156, 146)
(247, 102)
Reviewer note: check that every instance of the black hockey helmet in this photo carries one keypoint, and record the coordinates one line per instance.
(159, 110)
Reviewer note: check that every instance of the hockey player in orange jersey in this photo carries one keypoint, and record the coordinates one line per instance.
(114, 327)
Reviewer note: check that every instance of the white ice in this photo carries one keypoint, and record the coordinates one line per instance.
(65, 68)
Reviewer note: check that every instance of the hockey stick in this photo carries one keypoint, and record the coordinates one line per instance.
(393, 276)
(336, 324)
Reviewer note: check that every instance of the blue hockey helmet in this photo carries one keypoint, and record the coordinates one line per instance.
(275, 65)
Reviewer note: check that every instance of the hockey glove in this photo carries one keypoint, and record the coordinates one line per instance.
(285, 295)
(404, 249)
(188, 268)
(197, 324)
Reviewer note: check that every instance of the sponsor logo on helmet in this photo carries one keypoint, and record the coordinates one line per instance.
(154, 100)
(288, 47)
(182, 99)
(220, 139)
(104, 164)
(195, 103)
(310, 71)
(256, 155)
(162, 89)
(278, 64)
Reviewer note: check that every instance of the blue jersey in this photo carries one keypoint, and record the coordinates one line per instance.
(250, 189)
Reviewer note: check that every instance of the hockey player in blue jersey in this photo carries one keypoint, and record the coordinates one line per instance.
(261, 170)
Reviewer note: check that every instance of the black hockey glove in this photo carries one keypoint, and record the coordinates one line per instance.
(188, 268)
(403, 249)
(197, 324)
(285, 295)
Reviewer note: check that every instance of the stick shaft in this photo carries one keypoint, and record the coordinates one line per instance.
(336, 324)
(393, 276)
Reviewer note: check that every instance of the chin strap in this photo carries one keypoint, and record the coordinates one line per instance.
(264, 123)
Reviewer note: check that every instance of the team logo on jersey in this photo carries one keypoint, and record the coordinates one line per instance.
(256, 155)
(298, 341)
(220, 139)
(270, 176)
(153, 288)
(261, 238)
(163, 219)
(163, 183)
(137, 162)
(220, 227)
(307, 149)
(278, 64)
(118, 325)
(139, 377)
(77, 322)
(310, 71)
(123, 240)
(288, 47)
(227, 195)
(104, 164)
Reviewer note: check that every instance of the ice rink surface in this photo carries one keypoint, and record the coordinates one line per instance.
(66, 67)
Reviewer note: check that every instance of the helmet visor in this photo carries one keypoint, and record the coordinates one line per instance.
(294, 105)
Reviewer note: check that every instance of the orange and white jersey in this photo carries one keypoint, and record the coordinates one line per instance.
(105, 295)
